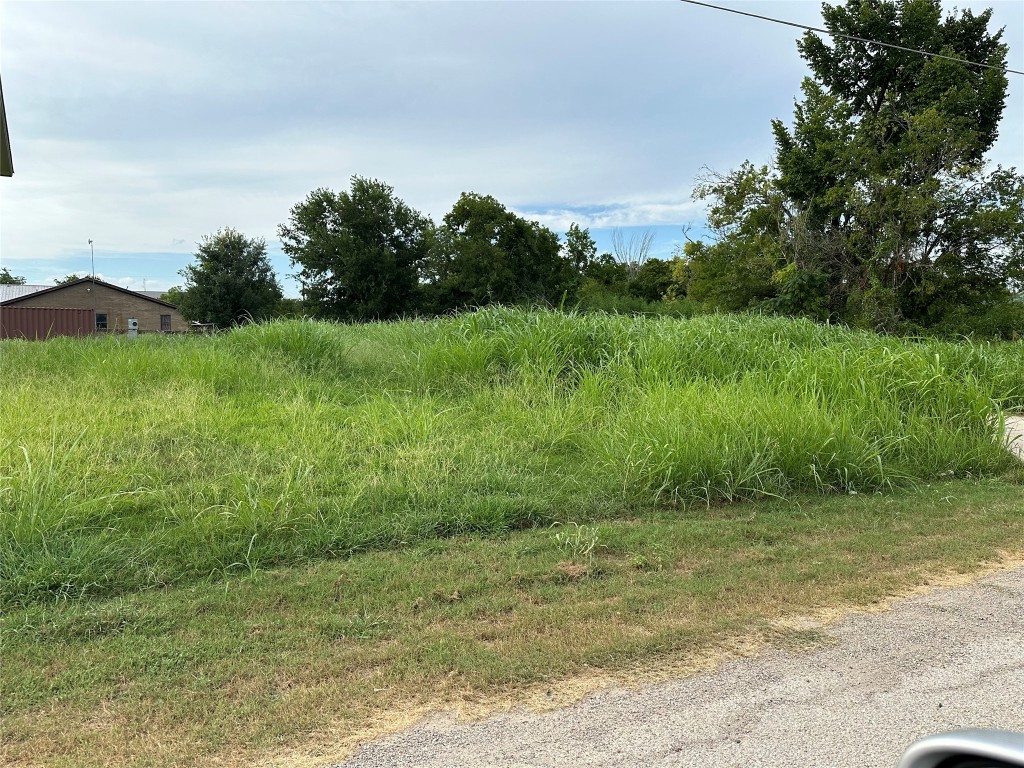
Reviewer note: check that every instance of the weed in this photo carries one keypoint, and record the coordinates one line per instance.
(578, 542)
(648, 561)
(294, 441)
(360, 626)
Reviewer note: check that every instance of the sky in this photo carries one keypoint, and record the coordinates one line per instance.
(145, 126)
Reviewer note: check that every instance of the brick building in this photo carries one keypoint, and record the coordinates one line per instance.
(112, 305)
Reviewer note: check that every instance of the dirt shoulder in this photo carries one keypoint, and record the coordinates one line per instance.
(949, 658)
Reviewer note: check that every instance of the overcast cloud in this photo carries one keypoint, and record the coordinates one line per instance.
(145, 126)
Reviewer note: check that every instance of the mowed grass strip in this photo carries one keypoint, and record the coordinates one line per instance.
(299, 662)
(136, 464)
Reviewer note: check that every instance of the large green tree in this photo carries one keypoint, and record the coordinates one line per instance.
(486, 254)
(359, 252)
(230, 282)
(580, 248)
(879, 208)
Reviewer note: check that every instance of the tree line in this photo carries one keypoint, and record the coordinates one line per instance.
(878, 210)
(364, 254)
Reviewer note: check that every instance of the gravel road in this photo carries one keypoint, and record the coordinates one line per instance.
(951, 658)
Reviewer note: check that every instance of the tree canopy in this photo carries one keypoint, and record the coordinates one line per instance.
(580, 248)
(486, 254)
(359, 252)
(6, 278)
(878, 208)
(230, 282)
(174, 295)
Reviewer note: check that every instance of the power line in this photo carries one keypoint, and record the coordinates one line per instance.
(854, 37)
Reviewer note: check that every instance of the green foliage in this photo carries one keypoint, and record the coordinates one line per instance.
(73, 277)
(801, 293)
(359, 252)
(230, 282)
(576, 541)
(607, 272)
(610, 285)
(595, 298)
(292, 308)
(580, 248)
(486, 254)
(1000, 320)
(887, 86)
(605, 287)
(233, 670)
(175, 295)
(651, 280)
(747, 213)
(878, 194)
(731, 280)
(679, 272)
(286, 441)
(6, 278)
(986, 225)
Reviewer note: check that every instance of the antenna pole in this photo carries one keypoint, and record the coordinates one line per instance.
(92, 254)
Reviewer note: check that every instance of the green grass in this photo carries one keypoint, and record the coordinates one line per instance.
(221, 549)
(137, 464)
(296, 664)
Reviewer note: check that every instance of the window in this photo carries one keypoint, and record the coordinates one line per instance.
(101, 321)
(165, 322)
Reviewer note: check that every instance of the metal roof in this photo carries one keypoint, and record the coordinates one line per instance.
(8, 292)
(19, 292)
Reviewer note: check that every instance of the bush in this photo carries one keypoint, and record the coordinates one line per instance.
(1003, 321)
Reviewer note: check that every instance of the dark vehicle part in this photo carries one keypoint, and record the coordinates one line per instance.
(975, 748)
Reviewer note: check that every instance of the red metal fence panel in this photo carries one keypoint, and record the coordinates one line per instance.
(45, 322)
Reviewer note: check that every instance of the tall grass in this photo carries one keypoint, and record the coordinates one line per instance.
(131, 464)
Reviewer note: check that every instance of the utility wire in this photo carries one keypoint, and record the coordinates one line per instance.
(853, 37)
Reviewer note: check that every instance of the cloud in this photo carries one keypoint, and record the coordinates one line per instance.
(146, 126)
(126, 281)
(637, 213)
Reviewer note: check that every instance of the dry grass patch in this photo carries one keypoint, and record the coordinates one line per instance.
(295, 666)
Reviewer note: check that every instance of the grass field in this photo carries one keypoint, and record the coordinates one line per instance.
(240, 539)
(134, 464)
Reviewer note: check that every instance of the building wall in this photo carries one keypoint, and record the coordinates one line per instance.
(34, 323)
(117, 306)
